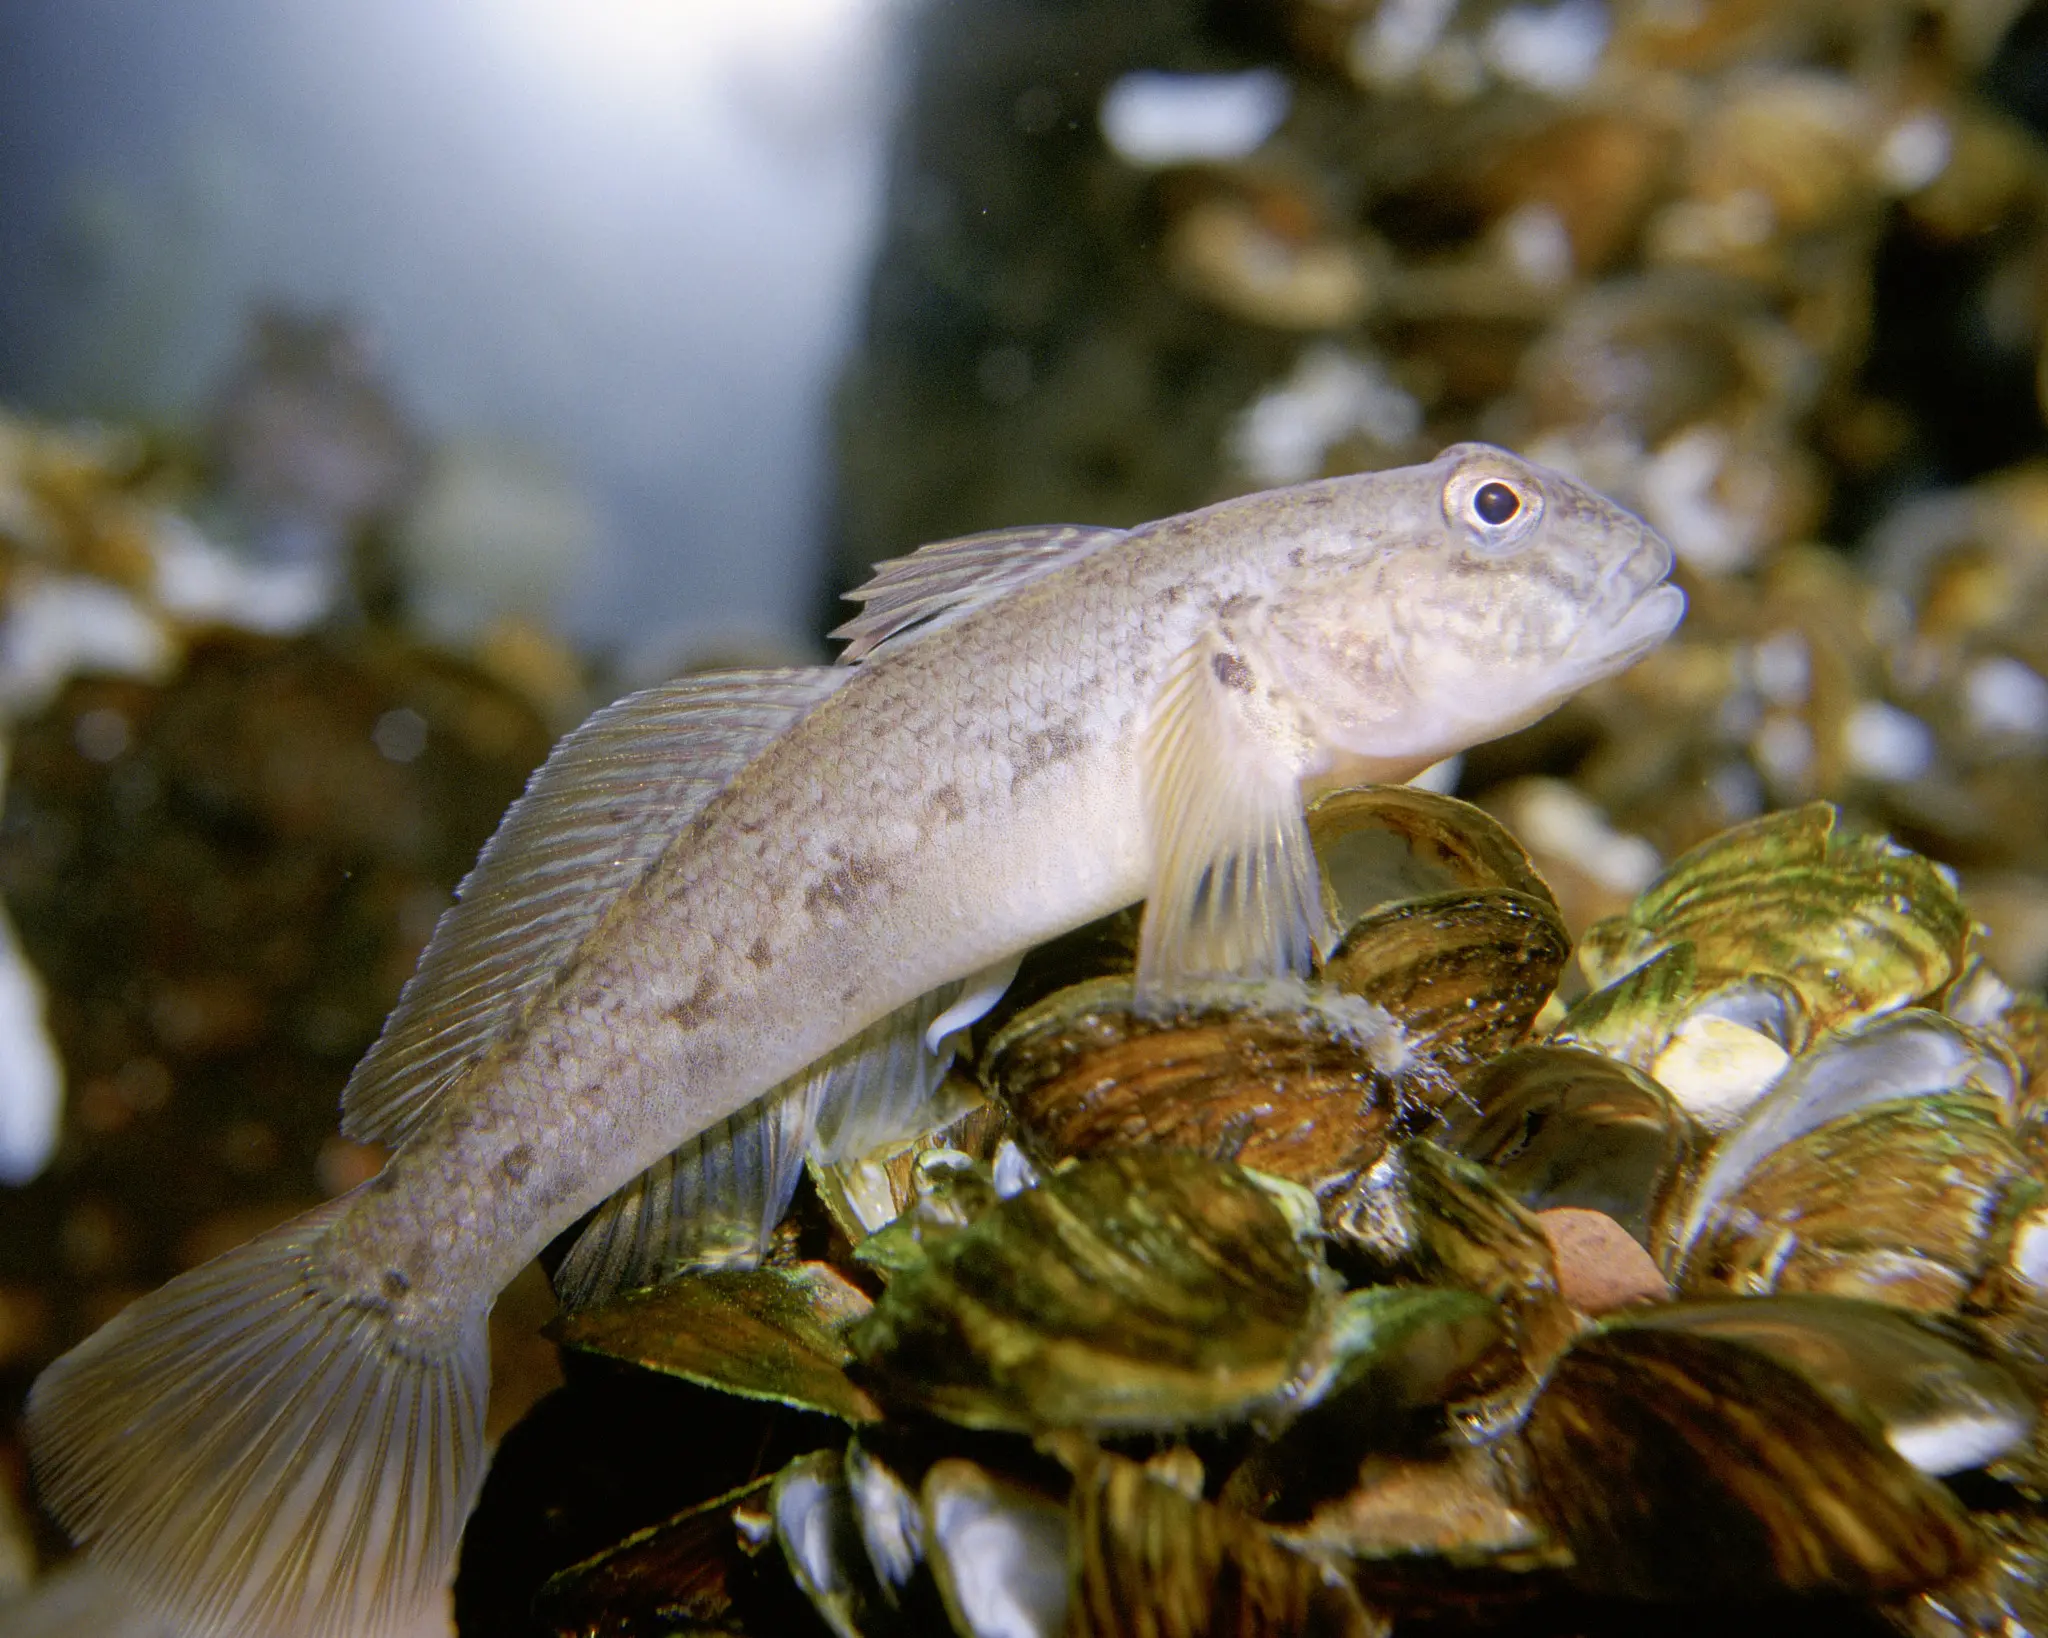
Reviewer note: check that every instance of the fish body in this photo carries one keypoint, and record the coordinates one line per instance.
(714, 889)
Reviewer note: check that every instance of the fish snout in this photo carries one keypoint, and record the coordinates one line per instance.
(1634, 608)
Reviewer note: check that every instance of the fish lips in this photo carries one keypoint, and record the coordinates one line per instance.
(1635, 610)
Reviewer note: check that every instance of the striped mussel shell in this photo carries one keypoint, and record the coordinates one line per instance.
(1417, 1288)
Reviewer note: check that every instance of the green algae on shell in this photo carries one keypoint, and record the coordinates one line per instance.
(766, 1333)
(1423, 1216)
(1856, 924)
(1147, 1289)
(1903, 1055)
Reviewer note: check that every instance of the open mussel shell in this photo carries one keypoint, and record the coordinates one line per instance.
(1728, 1044)
(817, 1525)
(765, 1333)
(867, 1192)
(1149, 1558)
(998, 1550)
(1283, 1078)
(1913, 1100)
(1942, 1407)
(1713, 1043)
(1855, 924)
(1560, 1126)
(1140, 1290)
(891, 1522)
(947, 1191)
(1677, 1464)
(1716, 1047)
(1423, 1216)
(1902, 1202)
(1632, 1016)
(1378, 844)
(1464, 973)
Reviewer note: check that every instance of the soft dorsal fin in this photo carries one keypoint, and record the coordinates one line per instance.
(937, 584)
(600, 811)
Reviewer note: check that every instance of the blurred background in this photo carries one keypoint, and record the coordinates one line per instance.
(382, 386)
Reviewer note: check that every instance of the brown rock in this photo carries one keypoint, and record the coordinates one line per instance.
(1600, 1266)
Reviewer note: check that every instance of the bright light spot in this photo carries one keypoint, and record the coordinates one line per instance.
(1883, 742)
(1556, 819)
(1557, 51)
(1958, 1441)
(400, 734)
(1441, 777)
(1388, 50)
(2030, 1250)
(64, 626)
(1284, 435)
(2006, 696)
(101, 734)
(1915, 151)
(1681, 491)
(668, 49)
(1153, 118)
(1539, 245)
(1783, 748)
(1782, 668)
(31, 1076)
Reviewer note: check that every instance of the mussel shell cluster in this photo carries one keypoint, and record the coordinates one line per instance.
(1459, 1283)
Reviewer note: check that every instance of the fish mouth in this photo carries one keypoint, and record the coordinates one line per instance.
(1634, 608)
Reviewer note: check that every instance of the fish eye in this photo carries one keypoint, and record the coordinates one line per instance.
(1496, 509)
(1496, 503)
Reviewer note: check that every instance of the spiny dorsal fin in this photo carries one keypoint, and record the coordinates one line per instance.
(599, 812)
(1235, 892)
(937, 584)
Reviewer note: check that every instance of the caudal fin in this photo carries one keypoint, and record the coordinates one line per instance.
(257, 1458)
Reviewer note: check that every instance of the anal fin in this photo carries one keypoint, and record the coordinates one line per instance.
(715, 1202)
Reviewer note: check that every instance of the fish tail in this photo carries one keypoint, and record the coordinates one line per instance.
(259, 1456)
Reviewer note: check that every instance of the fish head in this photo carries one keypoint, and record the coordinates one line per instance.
(1430, 609)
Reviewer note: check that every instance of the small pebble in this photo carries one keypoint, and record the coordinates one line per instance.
(1600, 1265)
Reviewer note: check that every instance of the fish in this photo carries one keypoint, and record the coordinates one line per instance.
(731, 918)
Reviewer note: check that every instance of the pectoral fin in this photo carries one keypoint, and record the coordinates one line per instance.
(1234, 887)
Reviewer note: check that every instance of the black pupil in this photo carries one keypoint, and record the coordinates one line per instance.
(1496, 503)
